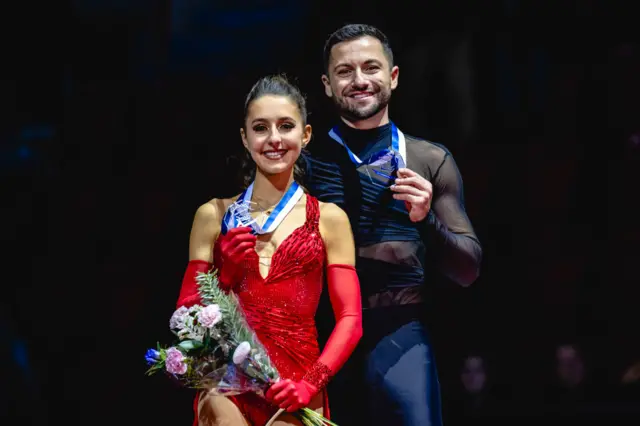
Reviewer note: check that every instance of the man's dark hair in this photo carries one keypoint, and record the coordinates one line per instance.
(352, 32)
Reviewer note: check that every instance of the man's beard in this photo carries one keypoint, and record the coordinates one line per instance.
(355, 113)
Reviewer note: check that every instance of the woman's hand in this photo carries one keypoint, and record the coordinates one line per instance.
(291, 395)
(233, 248)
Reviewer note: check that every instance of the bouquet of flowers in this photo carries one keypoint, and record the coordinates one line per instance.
(217, 351)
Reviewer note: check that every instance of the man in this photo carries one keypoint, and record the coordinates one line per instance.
(404, 198)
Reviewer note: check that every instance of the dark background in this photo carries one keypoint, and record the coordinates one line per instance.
(120, 118)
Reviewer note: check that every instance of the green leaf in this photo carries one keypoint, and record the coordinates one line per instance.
(189, 345)
(155, 367)
(314, 417)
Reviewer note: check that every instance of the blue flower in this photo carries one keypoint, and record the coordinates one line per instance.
(152, 356)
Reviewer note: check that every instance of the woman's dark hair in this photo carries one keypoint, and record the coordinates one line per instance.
(277, 85)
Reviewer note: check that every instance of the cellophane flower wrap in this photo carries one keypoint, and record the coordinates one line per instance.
(217, 351)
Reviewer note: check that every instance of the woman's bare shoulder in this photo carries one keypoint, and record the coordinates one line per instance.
(214, 209)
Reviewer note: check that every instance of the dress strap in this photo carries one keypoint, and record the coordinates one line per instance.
(313, 212)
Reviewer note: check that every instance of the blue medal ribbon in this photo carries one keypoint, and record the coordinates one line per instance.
(398, 144)
(238, 213)
(396, 155)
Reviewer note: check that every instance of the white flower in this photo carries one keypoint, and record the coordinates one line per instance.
(209, 316)
(196, 333)
(178, 319)
(183, 323)
(241, 352)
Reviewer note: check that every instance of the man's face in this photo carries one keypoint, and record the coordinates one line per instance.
(360, 79)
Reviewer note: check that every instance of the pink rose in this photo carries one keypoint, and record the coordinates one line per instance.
(209, 316)
(175, 362)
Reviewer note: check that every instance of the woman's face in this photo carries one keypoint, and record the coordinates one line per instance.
(473, 374)
(275, 133)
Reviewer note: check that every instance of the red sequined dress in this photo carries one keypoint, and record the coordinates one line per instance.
(281, 308)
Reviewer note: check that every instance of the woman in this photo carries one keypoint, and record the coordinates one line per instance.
(279, 280)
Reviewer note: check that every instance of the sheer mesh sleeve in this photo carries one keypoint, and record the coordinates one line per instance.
(450, 237)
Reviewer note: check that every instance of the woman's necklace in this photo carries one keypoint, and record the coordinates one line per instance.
(265, 260)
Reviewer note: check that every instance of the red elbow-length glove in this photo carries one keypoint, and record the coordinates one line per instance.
(344, 291)
(229, 253)
(189, 294)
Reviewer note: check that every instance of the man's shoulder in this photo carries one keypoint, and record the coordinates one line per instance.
(425, 149)
(418, 143)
